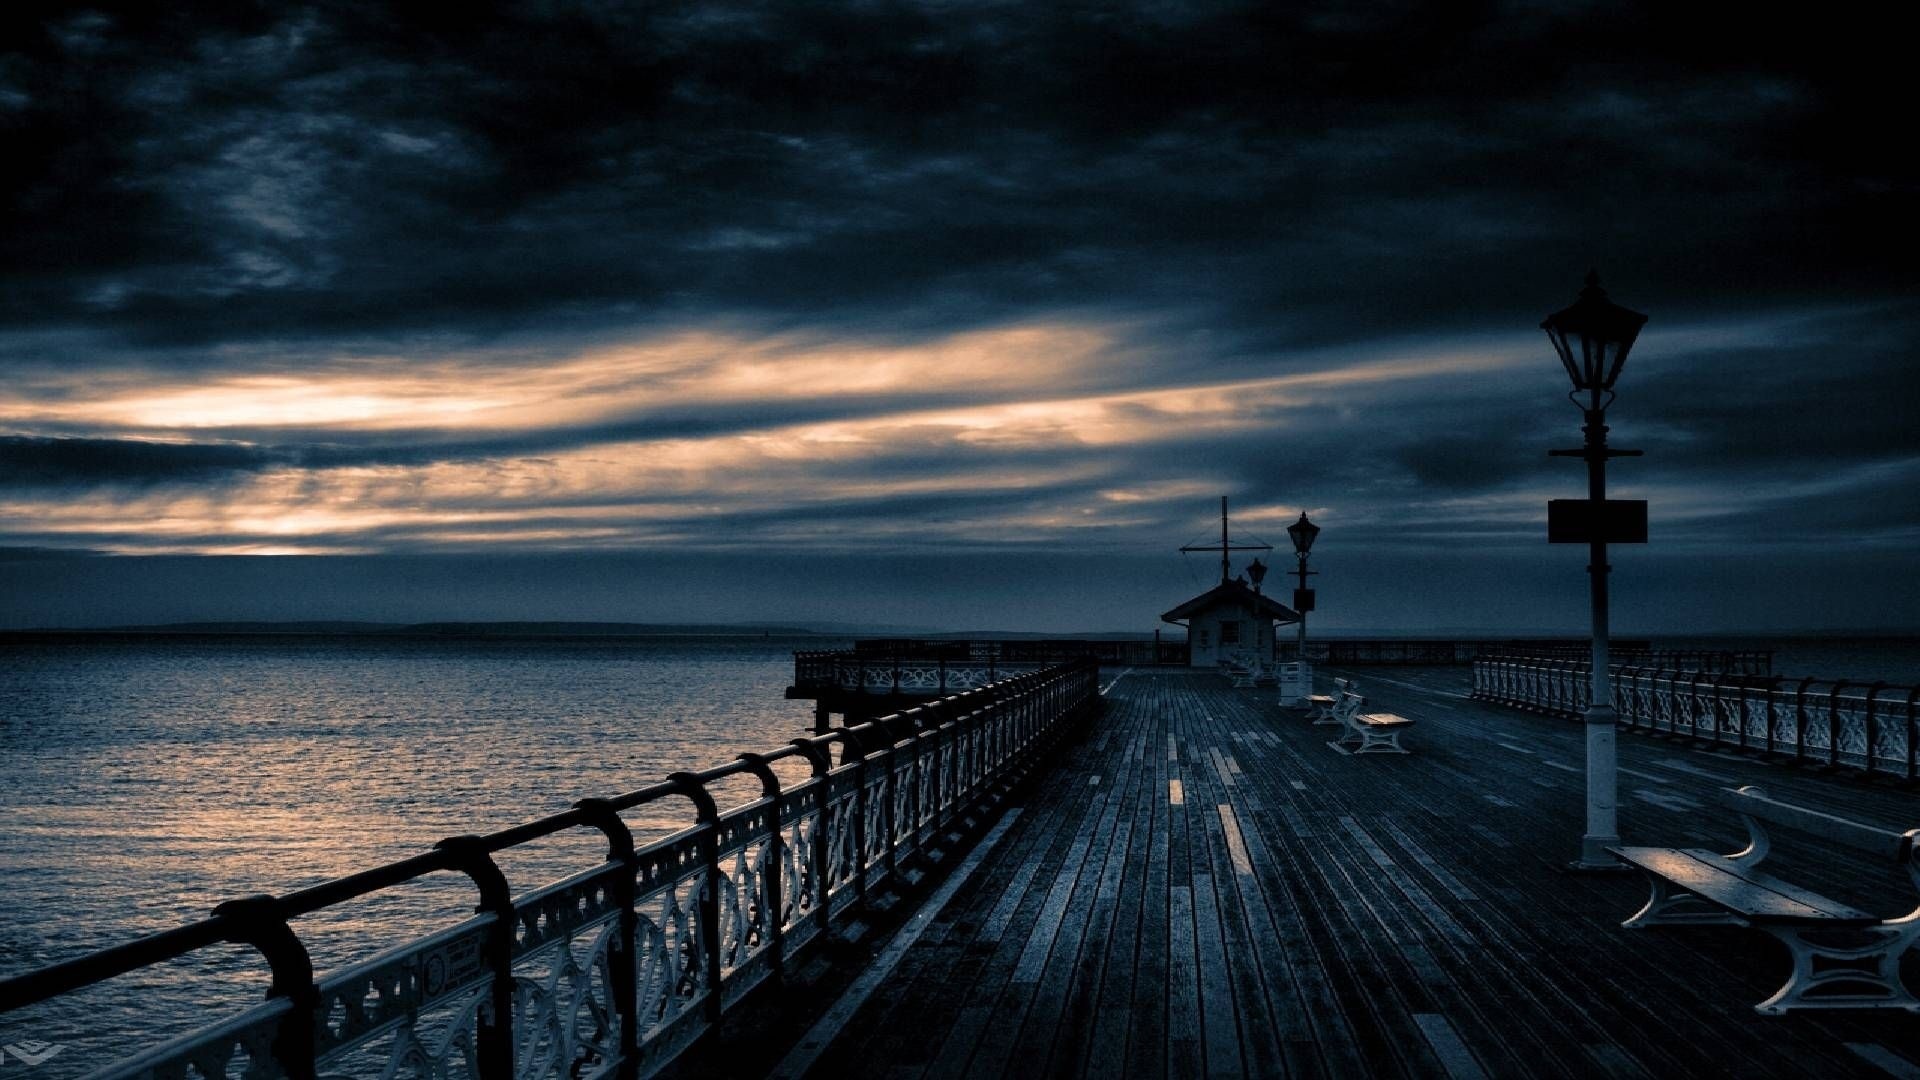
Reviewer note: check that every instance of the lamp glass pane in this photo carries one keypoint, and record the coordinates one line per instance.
(1303, 533)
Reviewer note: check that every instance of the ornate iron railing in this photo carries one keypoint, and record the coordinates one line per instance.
(939, 667)
(1869, 727)
(1435, 651)
(873, 673)
(1136, 651)
(1639, 654)
(614, 970)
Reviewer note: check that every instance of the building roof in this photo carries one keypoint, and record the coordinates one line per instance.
(1232, 592)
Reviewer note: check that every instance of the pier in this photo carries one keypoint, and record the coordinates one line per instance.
(1204, 887)
(1184, 881)
(883, 675)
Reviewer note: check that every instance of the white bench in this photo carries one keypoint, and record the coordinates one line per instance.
(1843, 958)
(1320, 706)
(1369, 733)
(1242, 668)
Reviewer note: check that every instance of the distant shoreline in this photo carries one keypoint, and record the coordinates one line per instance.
(449, 631)
(527, 630)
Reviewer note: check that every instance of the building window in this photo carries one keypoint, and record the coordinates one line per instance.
(1204, 635)
(1229, 633)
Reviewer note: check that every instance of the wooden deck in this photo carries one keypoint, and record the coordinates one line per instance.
(1205, 888)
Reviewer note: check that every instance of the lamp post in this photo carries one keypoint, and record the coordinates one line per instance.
(1257, 573)
(1592, 339)
(1302, 533)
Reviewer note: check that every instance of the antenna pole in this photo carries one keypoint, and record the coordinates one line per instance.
(1227, 546)
(1226, 570)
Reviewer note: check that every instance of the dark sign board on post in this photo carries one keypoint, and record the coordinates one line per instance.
(1303, 600)
(1573, 521)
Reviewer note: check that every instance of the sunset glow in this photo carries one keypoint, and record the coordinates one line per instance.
(313, 299)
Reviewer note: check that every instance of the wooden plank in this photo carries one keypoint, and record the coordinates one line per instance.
(1458, 1062)
(1062, 998)
(1147, 1034)
(1243, 980)
(807, 1053)
(1885, 1060)
(1275, 1038)
(1184, 1054)
(1220, 1032)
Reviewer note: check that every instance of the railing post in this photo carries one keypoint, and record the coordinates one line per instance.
(825, 835)
(260, 922)
(926, 773)
(708, 814)
(1800, 719)
(1833, 723)
(1911, 731)
(1717, 707)
(1693, 704)
(773, 896)
(1767, 695)
(1872, 725)
(621, 971)
(855, 750)
(493, 1024)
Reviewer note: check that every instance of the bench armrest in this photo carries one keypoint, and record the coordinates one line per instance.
(1759, 844)
(1910, 856)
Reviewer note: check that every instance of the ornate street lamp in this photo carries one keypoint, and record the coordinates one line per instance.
(1302, 533)
(1592, 338)
(1257, 573)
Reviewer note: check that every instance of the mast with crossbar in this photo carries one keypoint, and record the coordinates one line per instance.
(1226, 546)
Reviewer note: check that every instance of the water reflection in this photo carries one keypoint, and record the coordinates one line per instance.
(156, 780)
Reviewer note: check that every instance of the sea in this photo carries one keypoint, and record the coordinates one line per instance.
(149, 779)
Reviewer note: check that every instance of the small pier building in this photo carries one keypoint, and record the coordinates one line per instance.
(1227, 620)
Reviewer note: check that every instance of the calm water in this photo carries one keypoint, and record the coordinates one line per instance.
(1889, 659)
(147, 782)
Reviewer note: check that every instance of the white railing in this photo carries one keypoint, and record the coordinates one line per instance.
(1869, 727)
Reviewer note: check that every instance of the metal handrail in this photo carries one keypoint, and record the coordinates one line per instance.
(613, 970)
(1837, 723)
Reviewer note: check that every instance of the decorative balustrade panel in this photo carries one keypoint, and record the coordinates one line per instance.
(619, 967)
(1868, 727)
(802, 855)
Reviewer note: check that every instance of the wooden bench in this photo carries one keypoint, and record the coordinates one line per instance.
(1369, 733)
(1843, 958)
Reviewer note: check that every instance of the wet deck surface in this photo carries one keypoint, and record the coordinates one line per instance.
(1204, 888)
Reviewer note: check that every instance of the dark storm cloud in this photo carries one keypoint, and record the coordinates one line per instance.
(325, 197)
(268, 172)
(31, 462)
(1837, 391)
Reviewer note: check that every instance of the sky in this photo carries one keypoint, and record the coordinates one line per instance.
(944, 314)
